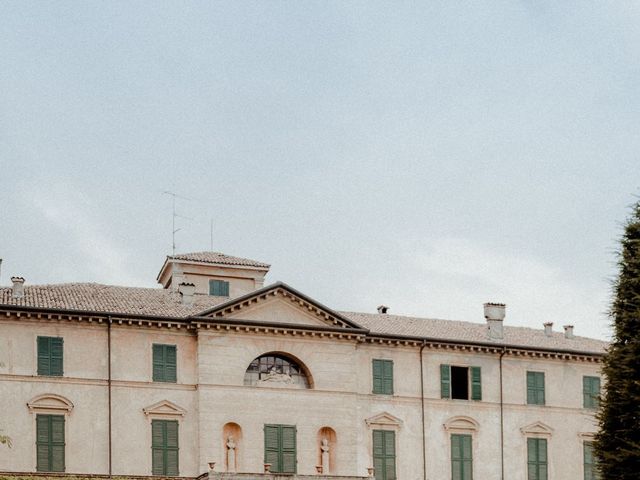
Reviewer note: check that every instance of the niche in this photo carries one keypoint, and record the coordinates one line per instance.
(231, 446)
(327, 450)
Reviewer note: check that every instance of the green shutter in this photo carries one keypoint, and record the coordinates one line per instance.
(382, 371)
(50, 443)
(219, 288)
(288, 443)
(164, 363)
(535, 388)
(272, 446)
(384, 454)
(590, 392)
(589, 463)
(387, 377)
(170, 364)
(476, 383)
(50, 356)
(280, 448)
(536, 459)
(164, 447)
(445, 381)
(158, 363)
(377, 375)
(461, 457)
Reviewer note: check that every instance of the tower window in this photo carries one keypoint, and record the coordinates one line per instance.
(219, 288)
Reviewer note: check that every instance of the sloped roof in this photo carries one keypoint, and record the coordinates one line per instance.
(219, 258)
(99, 298)
(95, 297)
(432, 328)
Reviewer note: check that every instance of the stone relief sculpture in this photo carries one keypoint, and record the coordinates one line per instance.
(274, 377)
(231, 454)
(325, 455)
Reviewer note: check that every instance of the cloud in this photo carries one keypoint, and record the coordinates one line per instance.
(97, 255)
(452, 277)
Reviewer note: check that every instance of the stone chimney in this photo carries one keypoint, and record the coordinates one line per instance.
(548, 329)
(18, 287)
(383, 309)
(187, 291)
(568, 331)
(494, 314)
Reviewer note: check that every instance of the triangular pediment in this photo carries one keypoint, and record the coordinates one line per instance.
(280, 304)
(164, 408)
(537, 428)
(384, 419)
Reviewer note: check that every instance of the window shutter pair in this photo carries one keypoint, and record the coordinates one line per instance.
(590, 392)
(219, 288)
(476, 382)
(535, 388)
(50, 356)
(382, 376)
(461, 457)
(50, 443)
(280, 448)
(384, 454)
(536, 459)
(165, 448)
(589, 462)
(164, 363)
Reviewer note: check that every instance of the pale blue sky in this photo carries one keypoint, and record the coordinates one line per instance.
(429, 157)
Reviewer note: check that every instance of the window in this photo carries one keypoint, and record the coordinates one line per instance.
(276, 368)
(164, 447)
(280, 448)
(50, 443)
(536, 459)
(535, 388)
(382, 376)
(590, 470)
(219, 288)
(164, 363)
(461, 457)
(50, 355)
(384, 454)
(590, 392)
(458, 382)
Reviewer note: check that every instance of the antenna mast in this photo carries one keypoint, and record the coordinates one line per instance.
(174, 215)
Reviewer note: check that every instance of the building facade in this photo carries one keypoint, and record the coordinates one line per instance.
(216, 367)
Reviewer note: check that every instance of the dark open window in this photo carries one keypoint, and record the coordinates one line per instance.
(462, 383)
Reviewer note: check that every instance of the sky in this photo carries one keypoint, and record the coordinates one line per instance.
(429, 156)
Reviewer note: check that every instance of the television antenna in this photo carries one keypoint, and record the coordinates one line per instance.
(175, 215)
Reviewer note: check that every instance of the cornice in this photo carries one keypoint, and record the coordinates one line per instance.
(196, 323)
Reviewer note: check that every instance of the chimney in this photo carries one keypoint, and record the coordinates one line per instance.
(548, 329)
(18, 287)
(383, 309)
(494, 313)
(187, 291)
(568, 331)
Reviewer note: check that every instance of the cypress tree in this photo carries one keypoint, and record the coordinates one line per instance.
(617, 444)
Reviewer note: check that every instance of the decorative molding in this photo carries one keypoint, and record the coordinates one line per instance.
(587, 436)
(165, 409)
(50, 402)
(537, 429)
(384, 419)
(461, 423)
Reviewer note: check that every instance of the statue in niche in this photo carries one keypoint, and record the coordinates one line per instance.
(324, 447)
(231, 454)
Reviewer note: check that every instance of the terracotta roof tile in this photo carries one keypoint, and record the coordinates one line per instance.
(471, 332)
(220, 258)
(96, 297)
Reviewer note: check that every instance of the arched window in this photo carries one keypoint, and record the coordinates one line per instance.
(277, 370)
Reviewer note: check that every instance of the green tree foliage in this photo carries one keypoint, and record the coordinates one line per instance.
(617, 443)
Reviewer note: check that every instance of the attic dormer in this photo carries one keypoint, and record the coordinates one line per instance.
(213, 273)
